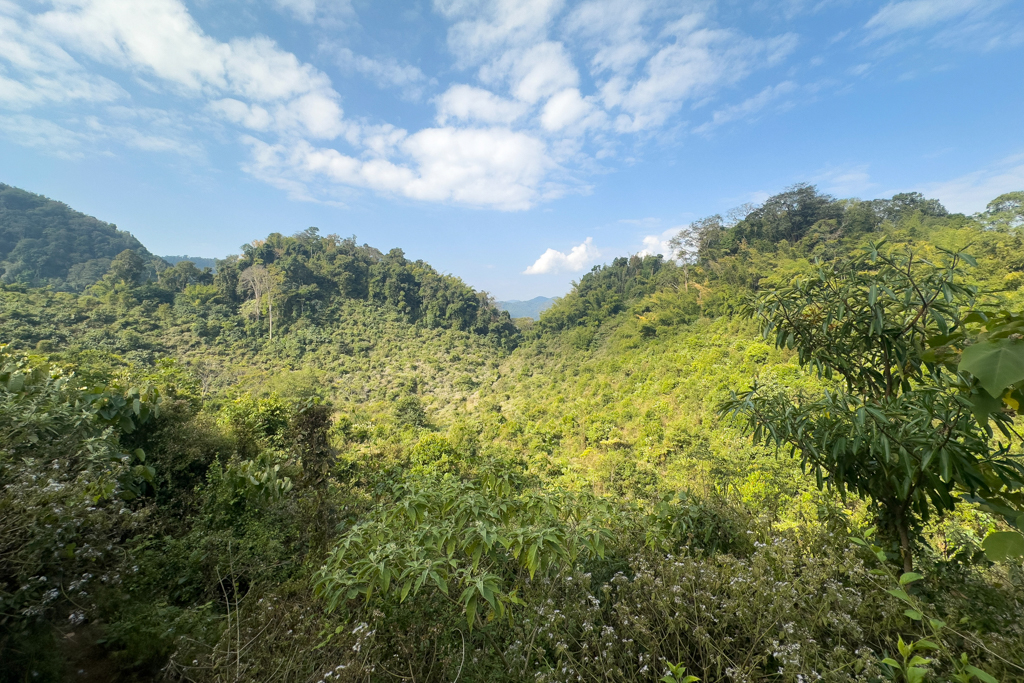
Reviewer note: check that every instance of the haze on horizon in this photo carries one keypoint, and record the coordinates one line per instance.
(514, 144)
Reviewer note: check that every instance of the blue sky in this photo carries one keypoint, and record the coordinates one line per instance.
(512, 143)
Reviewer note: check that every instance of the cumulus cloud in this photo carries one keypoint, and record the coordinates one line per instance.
(159, 38)
(535, 73)
(469, 103)
(614, 31)
(483, 28)
(496, 167)
(568, 108)
(521, 117)
(659, 244)
(578, 258)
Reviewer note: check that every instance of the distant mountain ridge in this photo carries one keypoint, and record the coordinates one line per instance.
(46, 242)
(199, 261)
(526, 309)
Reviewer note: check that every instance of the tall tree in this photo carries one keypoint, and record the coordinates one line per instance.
(258, 280)
(128, 267)
(908, 432)
(684, 245)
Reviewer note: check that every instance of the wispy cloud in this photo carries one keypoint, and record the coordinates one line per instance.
(911, 15)
(51, 138)
(307, 11)
(845, 181)
(972, 192)
(385, 73)
(748, 107)
(578, 258)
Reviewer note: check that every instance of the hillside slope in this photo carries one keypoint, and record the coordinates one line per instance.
(45, 242)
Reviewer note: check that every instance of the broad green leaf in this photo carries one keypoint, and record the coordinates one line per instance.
(983, 405)
(898, 593)
(910, 577)
(915, 674)
(1001, 546)
(471, 611)
(913, 614)
(997, 364)
(983, 676)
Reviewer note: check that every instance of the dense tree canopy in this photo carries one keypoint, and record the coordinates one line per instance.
(397, 484)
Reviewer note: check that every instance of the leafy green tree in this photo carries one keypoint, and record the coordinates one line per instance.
(184, 273)
(1005, 212)
(408, 410)
(905, 204)
(910, 434)
(684, 245)
(127, 267)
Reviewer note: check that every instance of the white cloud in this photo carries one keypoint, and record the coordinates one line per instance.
(160, 38)
(34, 132)
(535, 73)
(698, 61)
(565, 109)
(146, 130)
(39, 72)
(468, 103)
(658, 244)
(492, 167)
(385, 72)
(972, 192)
(747, 107)
(502, 141)
(484, 28)
(851, 181)
(251, 116)
(303, 10)
(917, 14)
(614, 31)
(495, 167)
(578, 258)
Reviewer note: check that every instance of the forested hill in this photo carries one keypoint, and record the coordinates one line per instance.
(45, 242)
(527, 309)
(724, 261)
(313, 302)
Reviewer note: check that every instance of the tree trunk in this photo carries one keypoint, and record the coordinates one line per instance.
(908, 556)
